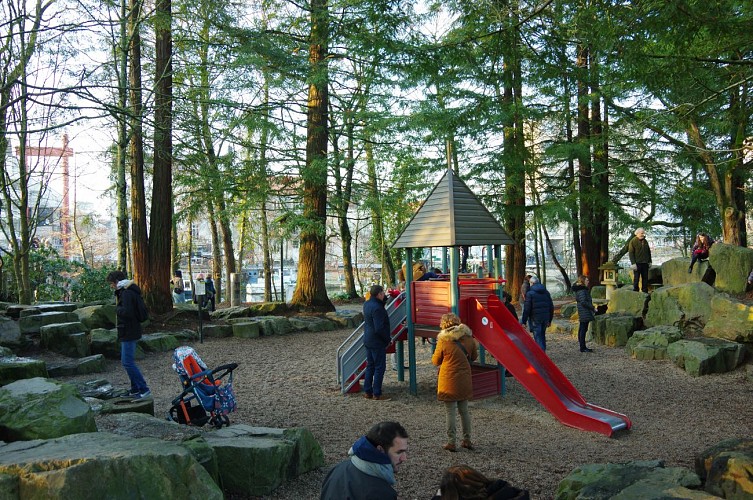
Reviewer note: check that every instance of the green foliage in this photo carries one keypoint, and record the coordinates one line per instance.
(54, 278)
(91, 284)
(49, 274)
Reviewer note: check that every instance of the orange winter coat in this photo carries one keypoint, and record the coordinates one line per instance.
(454, 380)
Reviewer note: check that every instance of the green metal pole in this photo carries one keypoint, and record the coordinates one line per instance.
(454, 287)
(409, 322)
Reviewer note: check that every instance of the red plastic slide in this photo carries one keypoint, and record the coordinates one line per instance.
(501, 334)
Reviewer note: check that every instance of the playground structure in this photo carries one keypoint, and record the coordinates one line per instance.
(452, 217)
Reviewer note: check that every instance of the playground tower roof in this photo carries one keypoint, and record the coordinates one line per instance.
(452, 216)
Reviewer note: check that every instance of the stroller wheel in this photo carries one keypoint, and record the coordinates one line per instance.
(217, 422)
(225, 420)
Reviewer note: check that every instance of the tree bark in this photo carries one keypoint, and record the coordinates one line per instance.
(310, 292)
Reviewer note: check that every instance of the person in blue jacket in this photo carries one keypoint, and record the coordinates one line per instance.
(376, 338)
(540, 308)
(369, 472)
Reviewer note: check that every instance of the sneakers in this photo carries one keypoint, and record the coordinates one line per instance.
(466, 444)
(382, 397)
(143, 395)
(368, 395)
(450, 447)
(586, 349)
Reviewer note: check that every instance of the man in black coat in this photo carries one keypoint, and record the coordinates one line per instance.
(540, 308)
(376, 338)
(130, 310)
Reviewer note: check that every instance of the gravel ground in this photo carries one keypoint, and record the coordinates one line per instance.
(290, 381)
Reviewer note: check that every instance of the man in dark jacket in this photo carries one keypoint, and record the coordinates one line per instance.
(376, 338)
(540, 308)
(640, 257)
(369, 473)
(129, 306)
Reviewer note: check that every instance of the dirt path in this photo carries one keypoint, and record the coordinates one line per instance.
(290, 380)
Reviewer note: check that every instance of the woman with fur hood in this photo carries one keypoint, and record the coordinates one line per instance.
(454, 352)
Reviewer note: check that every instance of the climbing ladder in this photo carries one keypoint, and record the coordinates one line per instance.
(351, 355)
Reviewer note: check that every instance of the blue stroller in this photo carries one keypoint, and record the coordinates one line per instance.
(206, 397)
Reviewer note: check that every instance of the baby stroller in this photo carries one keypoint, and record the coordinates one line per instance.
(204, 390)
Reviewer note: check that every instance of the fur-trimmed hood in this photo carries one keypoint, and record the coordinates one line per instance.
(454, 333)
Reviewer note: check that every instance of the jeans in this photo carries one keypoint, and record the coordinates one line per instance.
(127, 353)
(539, 334)
(465, 420)
(642, 274)
(376, 363)
(697, 257)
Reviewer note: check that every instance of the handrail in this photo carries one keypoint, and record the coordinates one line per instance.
(391, 306)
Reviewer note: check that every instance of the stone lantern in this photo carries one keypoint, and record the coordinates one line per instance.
(610, 270)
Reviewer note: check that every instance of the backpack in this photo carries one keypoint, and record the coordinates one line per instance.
(141, 312)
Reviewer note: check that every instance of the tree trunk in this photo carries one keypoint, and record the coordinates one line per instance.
(156, 285)
(377, 215)
(589, 245)
(310, 292)
(514, 160)
(139, 242)
(121, 192)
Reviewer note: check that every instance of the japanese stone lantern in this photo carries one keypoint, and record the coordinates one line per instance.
(609, 270)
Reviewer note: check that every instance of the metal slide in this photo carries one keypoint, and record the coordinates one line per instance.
(351, 355)
(501, 335)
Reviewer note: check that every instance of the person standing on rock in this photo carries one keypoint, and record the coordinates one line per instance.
(586, 310)
(131, 311)
(540, 309)
(369, 472)
(376, 338)
(640, 257)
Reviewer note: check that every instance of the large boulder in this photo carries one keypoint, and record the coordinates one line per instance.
(105, 342)
(652, 343)
(704, 356)
(10, 333)
(66, 338)
(80, 366)
(158, 342)
(729, 319)
(274, 325)
(217, 331)
(625, 300)
(675, 271)
(345, 319)
(569, 328)
(246, 328)
(231, 312)
(646, 480)
(139, 425)
(312, 323)
(256, 460)
(99, 316)
(569, 311)
(40, 408)
(105, 465)
(43, 307)
(614, 329)
(685, 306)
(13, 368)
(34, 322)
(732, 264)
(727, 469)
